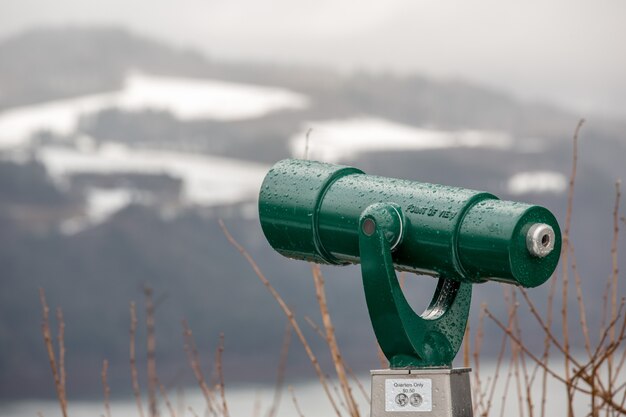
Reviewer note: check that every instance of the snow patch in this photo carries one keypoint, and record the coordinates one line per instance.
(334, 140)
(205, 99)
(537, 182)
(60, 117)
(100, 204)
(207, 180)
(186, 98)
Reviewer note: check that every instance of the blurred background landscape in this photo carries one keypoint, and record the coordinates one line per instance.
(125, 136)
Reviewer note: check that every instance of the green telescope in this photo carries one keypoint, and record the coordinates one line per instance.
(335, 214)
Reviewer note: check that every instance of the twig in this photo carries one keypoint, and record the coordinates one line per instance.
(358, 383)
(494, 382)
(295, 402)
(515, 352)
(331, 341)
(581, 303)
(572, 181)
(133, 362)
(530, 354)
(547, 345)
(191, 410)
(618, 342)
(466, 346)
(151, 353)
(61, 342)
(256, 409)
(605, 306)
(166, 398)
(564, 255)
(614, 272)
(382, 359)
(507, 383)
(621, 362)
(220, 374)
(315, 327)
(348, 369)
(47, 337)
(194, 362)
(605, 334)
(287, 311)
(282, 366)
(527, 380)
(603, 394)
(478, 340)
(337, 393)
(106, 389)
(306, 143)
(546, 330)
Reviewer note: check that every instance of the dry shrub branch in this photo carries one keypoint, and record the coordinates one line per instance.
(597, 376)
(58, 371)
(290, 316)
(106, 389)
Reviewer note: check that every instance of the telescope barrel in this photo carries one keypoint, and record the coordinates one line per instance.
(311, 210)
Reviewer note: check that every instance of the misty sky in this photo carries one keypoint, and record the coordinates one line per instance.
(572, 52)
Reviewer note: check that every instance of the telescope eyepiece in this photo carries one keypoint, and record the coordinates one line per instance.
(540, 240)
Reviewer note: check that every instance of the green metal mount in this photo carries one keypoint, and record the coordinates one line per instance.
(407, 339)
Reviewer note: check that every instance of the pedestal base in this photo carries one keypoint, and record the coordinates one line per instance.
(430, 392)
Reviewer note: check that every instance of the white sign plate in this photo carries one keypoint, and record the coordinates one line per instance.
(408, 395)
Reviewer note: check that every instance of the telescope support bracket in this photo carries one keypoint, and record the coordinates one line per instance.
(407, 339)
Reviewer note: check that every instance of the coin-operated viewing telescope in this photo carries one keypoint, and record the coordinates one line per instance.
(338, 215)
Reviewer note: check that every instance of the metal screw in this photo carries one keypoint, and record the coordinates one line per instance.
(540, 240)
(369, 227)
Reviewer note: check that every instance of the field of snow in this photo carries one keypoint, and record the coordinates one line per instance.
(207, 180)
(185, 98)
(334, 140)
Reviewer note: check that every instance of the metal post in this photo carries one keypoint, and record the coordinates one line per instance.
(433, 392)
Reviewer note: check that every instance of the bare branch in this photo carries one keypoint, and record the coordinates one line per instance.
(61, 342)
(530, 354)
(106, 389)
(47, 337)
(614, 273)
(151, 353)
(295, 402)
(581, 304)
(166, 398)
(331, 341)
(220, 374)
(282, 366)
(194, 363)
(133, 361)
(306, 143)
(287, 311)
